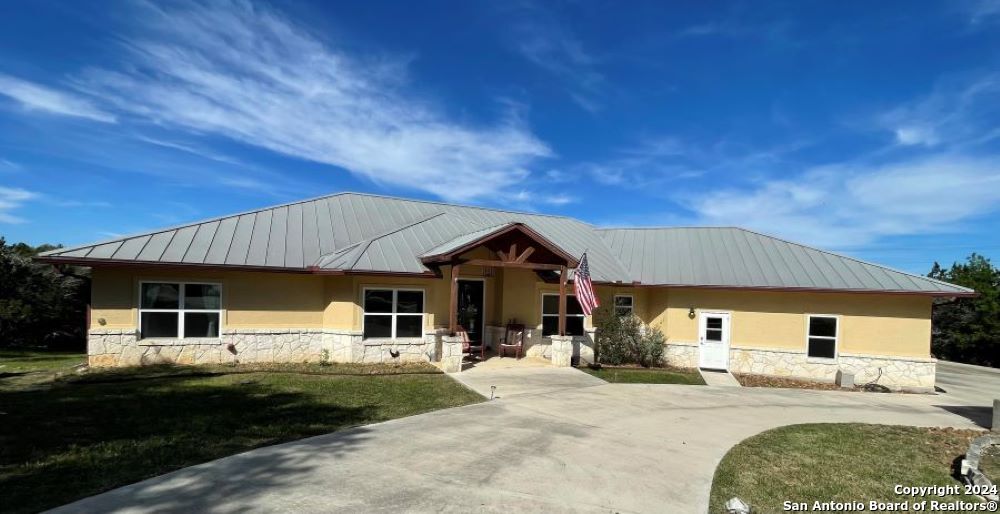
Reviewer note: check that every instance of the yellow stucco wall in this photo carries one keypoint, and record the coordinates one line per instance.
(250, 300)
(640, 297)
(869, 324)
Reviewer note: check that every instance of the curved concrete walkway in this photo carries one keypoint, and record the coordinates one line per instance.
(591, 448)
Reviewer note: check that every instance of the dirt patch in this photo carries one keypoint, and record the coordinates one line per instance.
(787, 383)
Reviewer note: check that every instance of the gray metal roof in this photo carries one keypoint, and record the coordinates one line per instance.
(464, 239)
(735, 257)
(398, 250)
(368, 233)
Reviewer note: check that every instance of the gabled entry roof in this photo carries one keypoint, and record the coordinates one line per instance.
(359, 233)
(489, 235)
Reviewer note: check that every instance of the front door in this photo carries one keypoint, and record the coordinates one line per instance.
(471, 302)
(713, 340)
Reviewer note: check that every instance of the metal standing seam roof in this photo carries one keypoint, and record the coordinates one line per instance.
(735, 257)
(368, 233)
(464, 239)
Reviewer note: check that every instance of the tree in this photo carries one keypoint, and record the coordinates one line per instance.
(968, 329)
(40, 305)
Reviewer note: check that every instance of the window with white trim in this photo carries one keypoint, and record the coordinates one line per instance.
(624, 304)
(550, 315)
(179, 309)
(393, 313)
(822, 336)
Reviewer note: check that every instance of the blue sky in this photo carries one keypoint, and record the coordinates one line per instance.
(867, 128)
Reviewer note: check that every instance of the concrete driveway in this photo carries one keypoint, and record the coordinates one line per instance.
(973, 386)
(573, 448)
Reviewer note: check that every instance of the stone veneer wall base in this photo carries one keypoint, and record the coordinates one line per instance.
(122, 347)
(897, 373)
(681, 355)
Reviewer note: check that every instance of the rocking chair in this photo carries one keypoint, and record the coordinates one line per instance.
(513, 339)
(470, 347)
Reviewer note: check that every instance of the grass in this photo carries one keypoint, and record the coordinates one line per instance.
(25, 361)
(75, 436)
(837, 462)
(623, 375)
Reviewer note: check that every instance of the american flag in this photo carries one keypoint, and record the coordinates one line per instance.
(584, 288)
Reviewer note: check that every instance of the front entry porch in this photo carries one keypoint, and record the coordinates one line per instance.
(504, 277)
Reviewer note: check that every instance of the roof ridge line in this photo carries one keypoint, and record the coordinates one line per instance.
(668, 227)
(491, 228)
(386, 234)
(367, 242)
(855, 259)
(337, 251)
(466, 206)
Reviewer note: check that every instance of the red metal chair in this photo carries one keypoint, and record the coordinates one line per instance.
(513, 339)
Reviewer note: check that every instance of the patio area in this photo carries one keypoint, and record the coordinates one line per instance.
(499, 378)
(495, 362)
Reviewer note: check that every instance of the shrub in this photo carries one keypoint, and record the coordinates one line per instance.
(653, 343)
(622, 339)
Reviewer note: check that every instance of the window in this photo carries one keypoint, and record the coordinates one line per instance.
(393, 313)
(179, 309)
(550, 315)
(822, 337)
(713, 328)
(624, 304)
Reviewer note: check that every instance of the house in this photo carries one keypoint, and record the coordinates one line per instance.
(349, 277)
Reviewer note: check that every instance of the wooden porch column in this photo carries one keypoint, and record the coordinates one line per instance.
(562, 300)
(453, 309)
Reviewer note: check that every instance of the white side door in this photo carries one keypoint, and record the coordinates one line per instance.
(713, 340)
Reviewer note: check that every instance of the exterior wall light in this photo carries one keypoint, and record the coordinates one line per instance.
(691, 313)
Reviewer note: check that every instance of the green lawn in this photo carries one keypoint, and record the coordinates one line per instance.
(837, 462)
(21, 361)
(646, 375)
(75, 436)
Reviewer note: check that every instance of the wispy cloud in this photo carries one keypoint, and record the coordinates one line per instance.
(9, 165)
(981, 12)
(853, 205)
(739, 27)
(654, 161)
(12, 199)
(936, 176)
(246, 72)
(957, 112)
(553, 47)
(191, 149)
(36, 97)
(528, 199)
(68, 203)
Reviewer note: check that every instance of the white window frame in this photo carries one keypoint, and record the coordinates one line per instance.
(394, 315)
(631, 307)
(835, 338)
(181, 309)
(556, 315)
